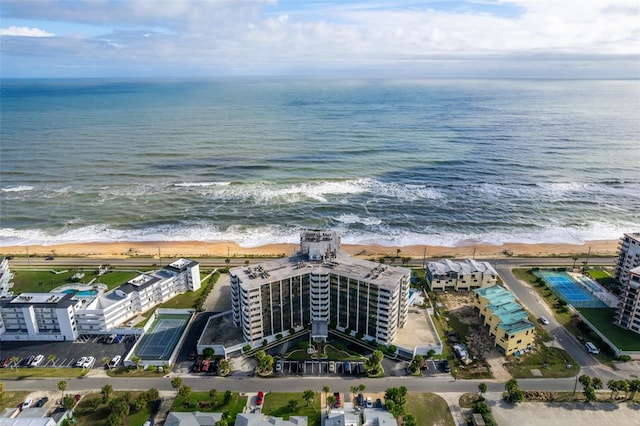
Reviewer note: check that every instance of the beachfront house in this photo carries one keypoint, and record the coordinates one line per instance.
(506, 320)
(466, 275)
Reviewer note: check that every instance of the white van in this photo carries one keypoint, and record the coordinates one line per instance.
(592, 348)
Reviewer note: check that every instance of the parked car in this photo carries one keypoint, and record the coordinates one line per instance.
(278, 366)
(542, 320)
(593, 349)
(111, 339)
(259, 398)
(27, 361)
(77, 397)
(360, 400)
(338, 403)
(42, 401)
(27, 403)
(49, 258)
(115, 361)
(193, 353)
(347, 367)
(37, 360)
(118, 338)
(81, 361)
(369, 402)
(446, 366)
(378, 403)
(88, 363)
(361, 368)
(332, 366)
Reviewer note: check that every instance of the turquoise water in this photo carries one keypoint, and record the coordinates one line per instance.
(395, 162)
(82, 293)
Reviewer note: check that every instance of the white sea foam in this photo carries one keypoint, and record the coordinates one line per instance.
(247, 236)
(201, 184)
(19, 188)
(354, 218)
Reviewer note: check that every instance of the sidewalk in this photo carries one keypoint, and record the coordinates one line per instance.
(457, 412)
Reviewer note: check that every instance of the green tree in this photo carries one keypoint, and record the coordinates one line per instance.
(137, 361)
(482, 388)
(224, 368)
(416, 363)
(152, 394)
(596, 383)
(354, 391)
(62, 386)
(106, 392)
(514, 394)
(326, 390)
(612, 385)
(52, 359)
(361, 387)
(184, 391)
(624, 386)
(176, 382)
(213, 394)
(114, 419)
(331, 401)
(227, 397)
(1, 390)
(94, 403)
(589, 394)
(410, 420)
(68, 402)
(585, 381)
(208, 353)
(292, 405)
(634, 387)
(139, 403)
(308, 396)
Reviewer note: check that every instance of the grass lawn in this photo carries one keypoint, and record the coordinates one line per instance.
(28, 373)
(597, 274)
(602, 319)
(11, 399)
(115, 278)
(552, 362)
(41, 281)
(429, 409)
(275, 404)
(84, 414)
(201, 401)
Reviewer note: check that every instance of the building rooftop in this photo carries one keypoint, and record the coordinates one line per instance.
(54, 300)
(516, 327)
(181, 264)
(255, 276)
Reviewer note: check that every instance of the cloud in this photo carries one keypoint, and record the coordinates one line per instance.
(255, 35)
(24, 32)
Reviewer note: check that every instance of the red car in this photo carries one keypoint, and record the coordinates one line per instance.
(259, 398)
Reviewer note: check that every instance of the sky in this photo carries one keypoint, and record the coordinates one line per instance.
(412, 39)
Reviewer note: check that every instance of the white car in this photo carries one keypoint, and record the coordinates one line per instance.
(543, 321)
(26, 404)
(37, 360)
(369, 402)
(115, 361)
(593, 349)
(81, 361)
(88, 362)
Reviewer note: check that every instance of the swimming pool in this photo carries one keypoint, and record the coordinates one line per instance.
(81, 293)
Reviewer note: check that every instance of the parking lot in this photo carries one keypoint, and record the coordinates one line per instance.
(67, 354)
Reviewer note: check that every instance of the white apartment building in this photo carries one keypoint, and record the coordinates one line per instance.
(628, 256)
(38, 316)
(467, 275)
(23, 317)
(323, 287)
(5, 278)
(628, 315)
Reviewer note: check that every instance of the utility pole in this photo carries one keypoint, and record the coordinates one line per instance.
(159, 257)
(28, 258)
(586, 262)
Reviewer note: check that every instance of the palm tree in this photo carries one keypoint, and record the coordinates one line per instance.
(354, 391)
(137, 360)
(326, 390)
(106, 360)
(14, 361)
(62, 386)
(52, 359)
(308, 396)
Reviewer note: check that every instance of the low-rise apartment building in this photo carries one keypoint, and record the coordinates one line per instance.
(507, 321)
(20, 317)
(5, 278)
(466, 275)
(323, 287)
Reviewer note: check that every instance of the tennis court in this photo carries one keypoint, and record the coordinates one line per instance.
(568, 289)
(161, 339)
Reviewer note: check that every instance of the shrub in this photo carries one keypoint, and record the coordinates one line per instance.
(292, 330)
(264, 342)
(246, 348)
(624, 358)
(278, 336)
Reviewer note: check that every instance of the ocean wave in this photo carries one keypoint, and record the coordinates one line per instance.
(200, 184)
(376, 233)
(354, 218)
(19, 188)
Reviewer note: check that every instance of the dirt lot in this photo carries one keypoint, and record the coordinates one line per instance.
(480, 345)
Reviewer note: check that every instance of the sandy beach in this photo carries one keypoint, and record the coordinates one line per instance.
(226, 248)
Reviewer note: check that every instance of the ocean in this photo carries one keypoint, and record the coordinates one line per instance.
(254, 161)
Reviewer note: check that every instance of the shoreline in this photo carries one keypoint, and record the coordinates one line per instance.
(196, 249)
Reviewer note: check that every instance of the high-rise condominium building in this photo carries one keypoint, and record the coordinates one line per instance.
(323, 287)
